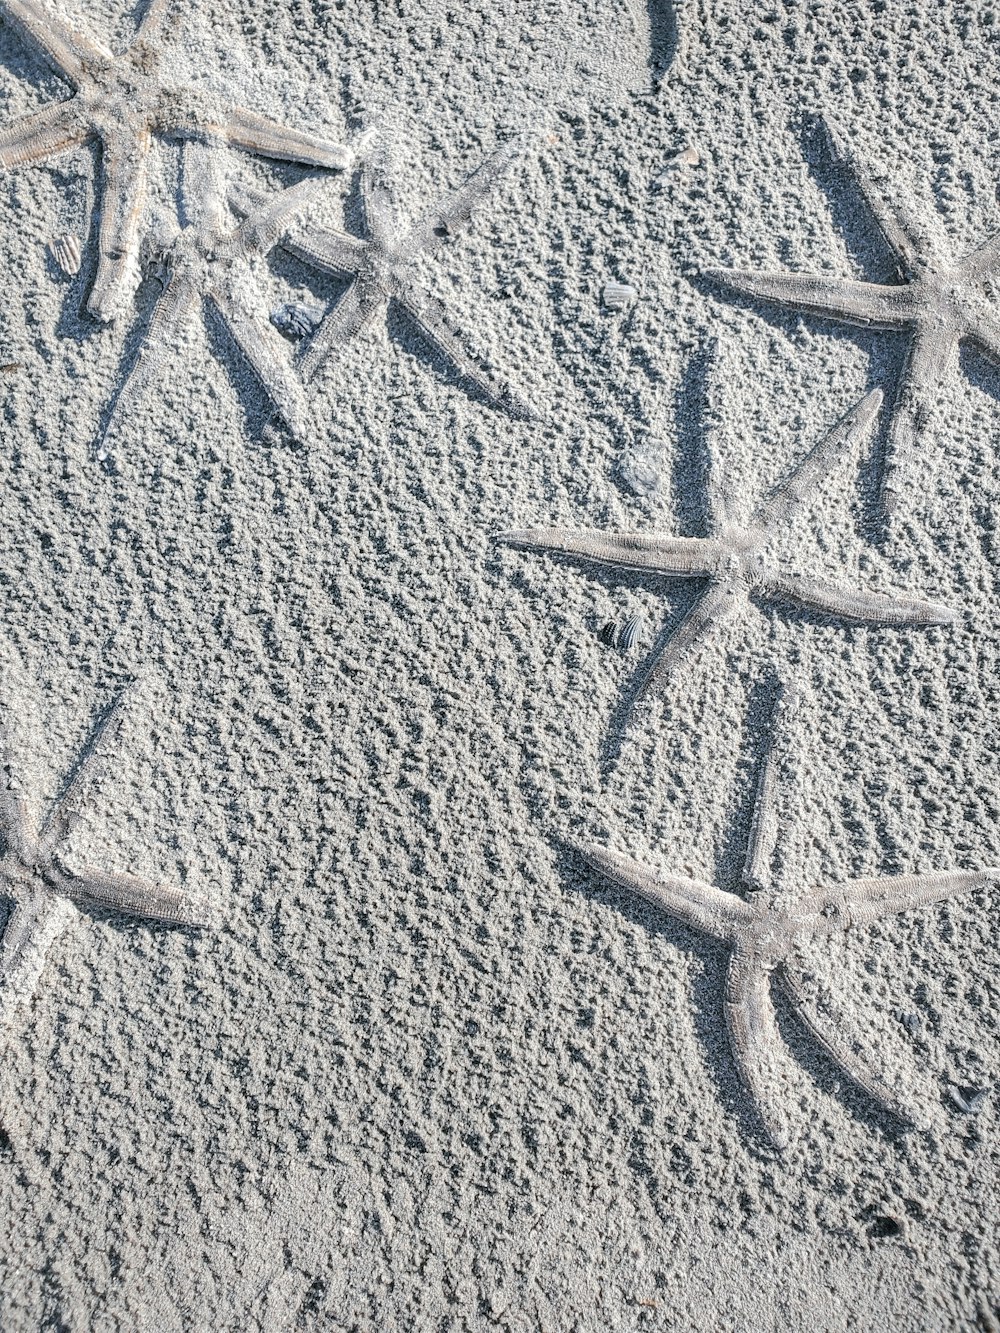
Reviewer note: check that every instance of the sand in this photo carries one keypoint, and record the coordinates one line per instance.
(425, 1070)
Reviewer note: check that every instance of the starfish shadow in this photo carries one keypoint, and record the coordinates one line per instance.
(692, 456)
(664, 37)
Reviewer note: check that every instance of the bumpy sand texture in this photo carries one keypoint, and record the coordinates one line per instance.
(429, 1071)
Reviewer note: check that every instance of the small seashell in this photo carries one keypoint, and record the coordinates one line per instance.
(911, 1022)
(687, 157)
(65, 250)
(297, 319)
(639, 474)
(618, 295)
(968, 1100)
(609, 633)
(631, 633)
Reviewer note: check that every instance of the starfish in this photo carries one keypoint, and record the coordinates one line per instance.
(34, 875)
(211, 261)
(736, 561)
(941, 300)
(382, 268)
(123, 100)
(766, 933)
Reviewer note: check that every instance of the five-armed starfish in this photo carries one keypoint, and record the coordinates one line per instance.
(34, 876)
(736, 560)
(383, 269)
(122, 100)
(943, 302)
(212, 261)
(766, 933)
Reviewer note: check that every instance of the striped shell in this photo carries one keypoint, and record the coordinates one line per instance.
(631, 633)
(65, 250)
(619, 295)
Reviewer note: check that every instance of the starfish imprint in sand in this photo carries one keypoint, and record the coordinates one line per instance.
(382, 268)
(123, 100)
(767, 932)
(211, 261)
(36, 879)
(736, 560)
(941, 300)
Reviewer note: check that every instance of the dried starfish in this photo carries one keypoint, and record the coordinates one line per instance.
(736, 561)
(382, 269)
(766, 933)
(123, 101)
(212, 261)
(34, 875)
(943, 301)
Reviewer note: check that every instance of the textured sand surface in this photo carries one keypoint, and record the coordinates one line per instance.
(425, 1070)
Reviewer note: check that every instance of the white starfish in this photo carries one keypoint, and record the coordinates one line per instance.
(941, 300)
(123, 100)
(211, 261)
(382, 268)
(736, 562)
(766, 933)
(34, 875)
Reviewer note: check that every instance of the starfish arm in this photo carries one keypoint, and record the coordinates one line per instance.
(124, 164)
(867, 304)
(22, 926)
(764, 826)
(755, 1040)
(381, 219)
(984, 331)
(264, 350)
(699, 905)
(267, 224)
(982, 262)
(152, 20)
(932, 353)
(683, 557)
(352, 314)
(903, 232)
(854, 1062)
(454, 213)
(429, 314)
(129, 895)
(91, 759)
(855, 604)
(66, 49)
(34, 138)
(173, 307)
(201, 188)
(256, 134)
(17, 824)
(717, 604)
(857, 902)
(798, 486)
(327, 250)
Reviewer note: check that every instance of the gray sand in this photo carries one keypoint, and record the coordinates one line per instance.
(425, 1070)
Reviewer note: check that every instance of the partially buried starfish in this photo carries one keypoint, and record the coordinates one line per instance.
(382, 267)
(941, 300)
(766, 933)
(736, 561)
(123, 100)
(34, 876)
(211, 262)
